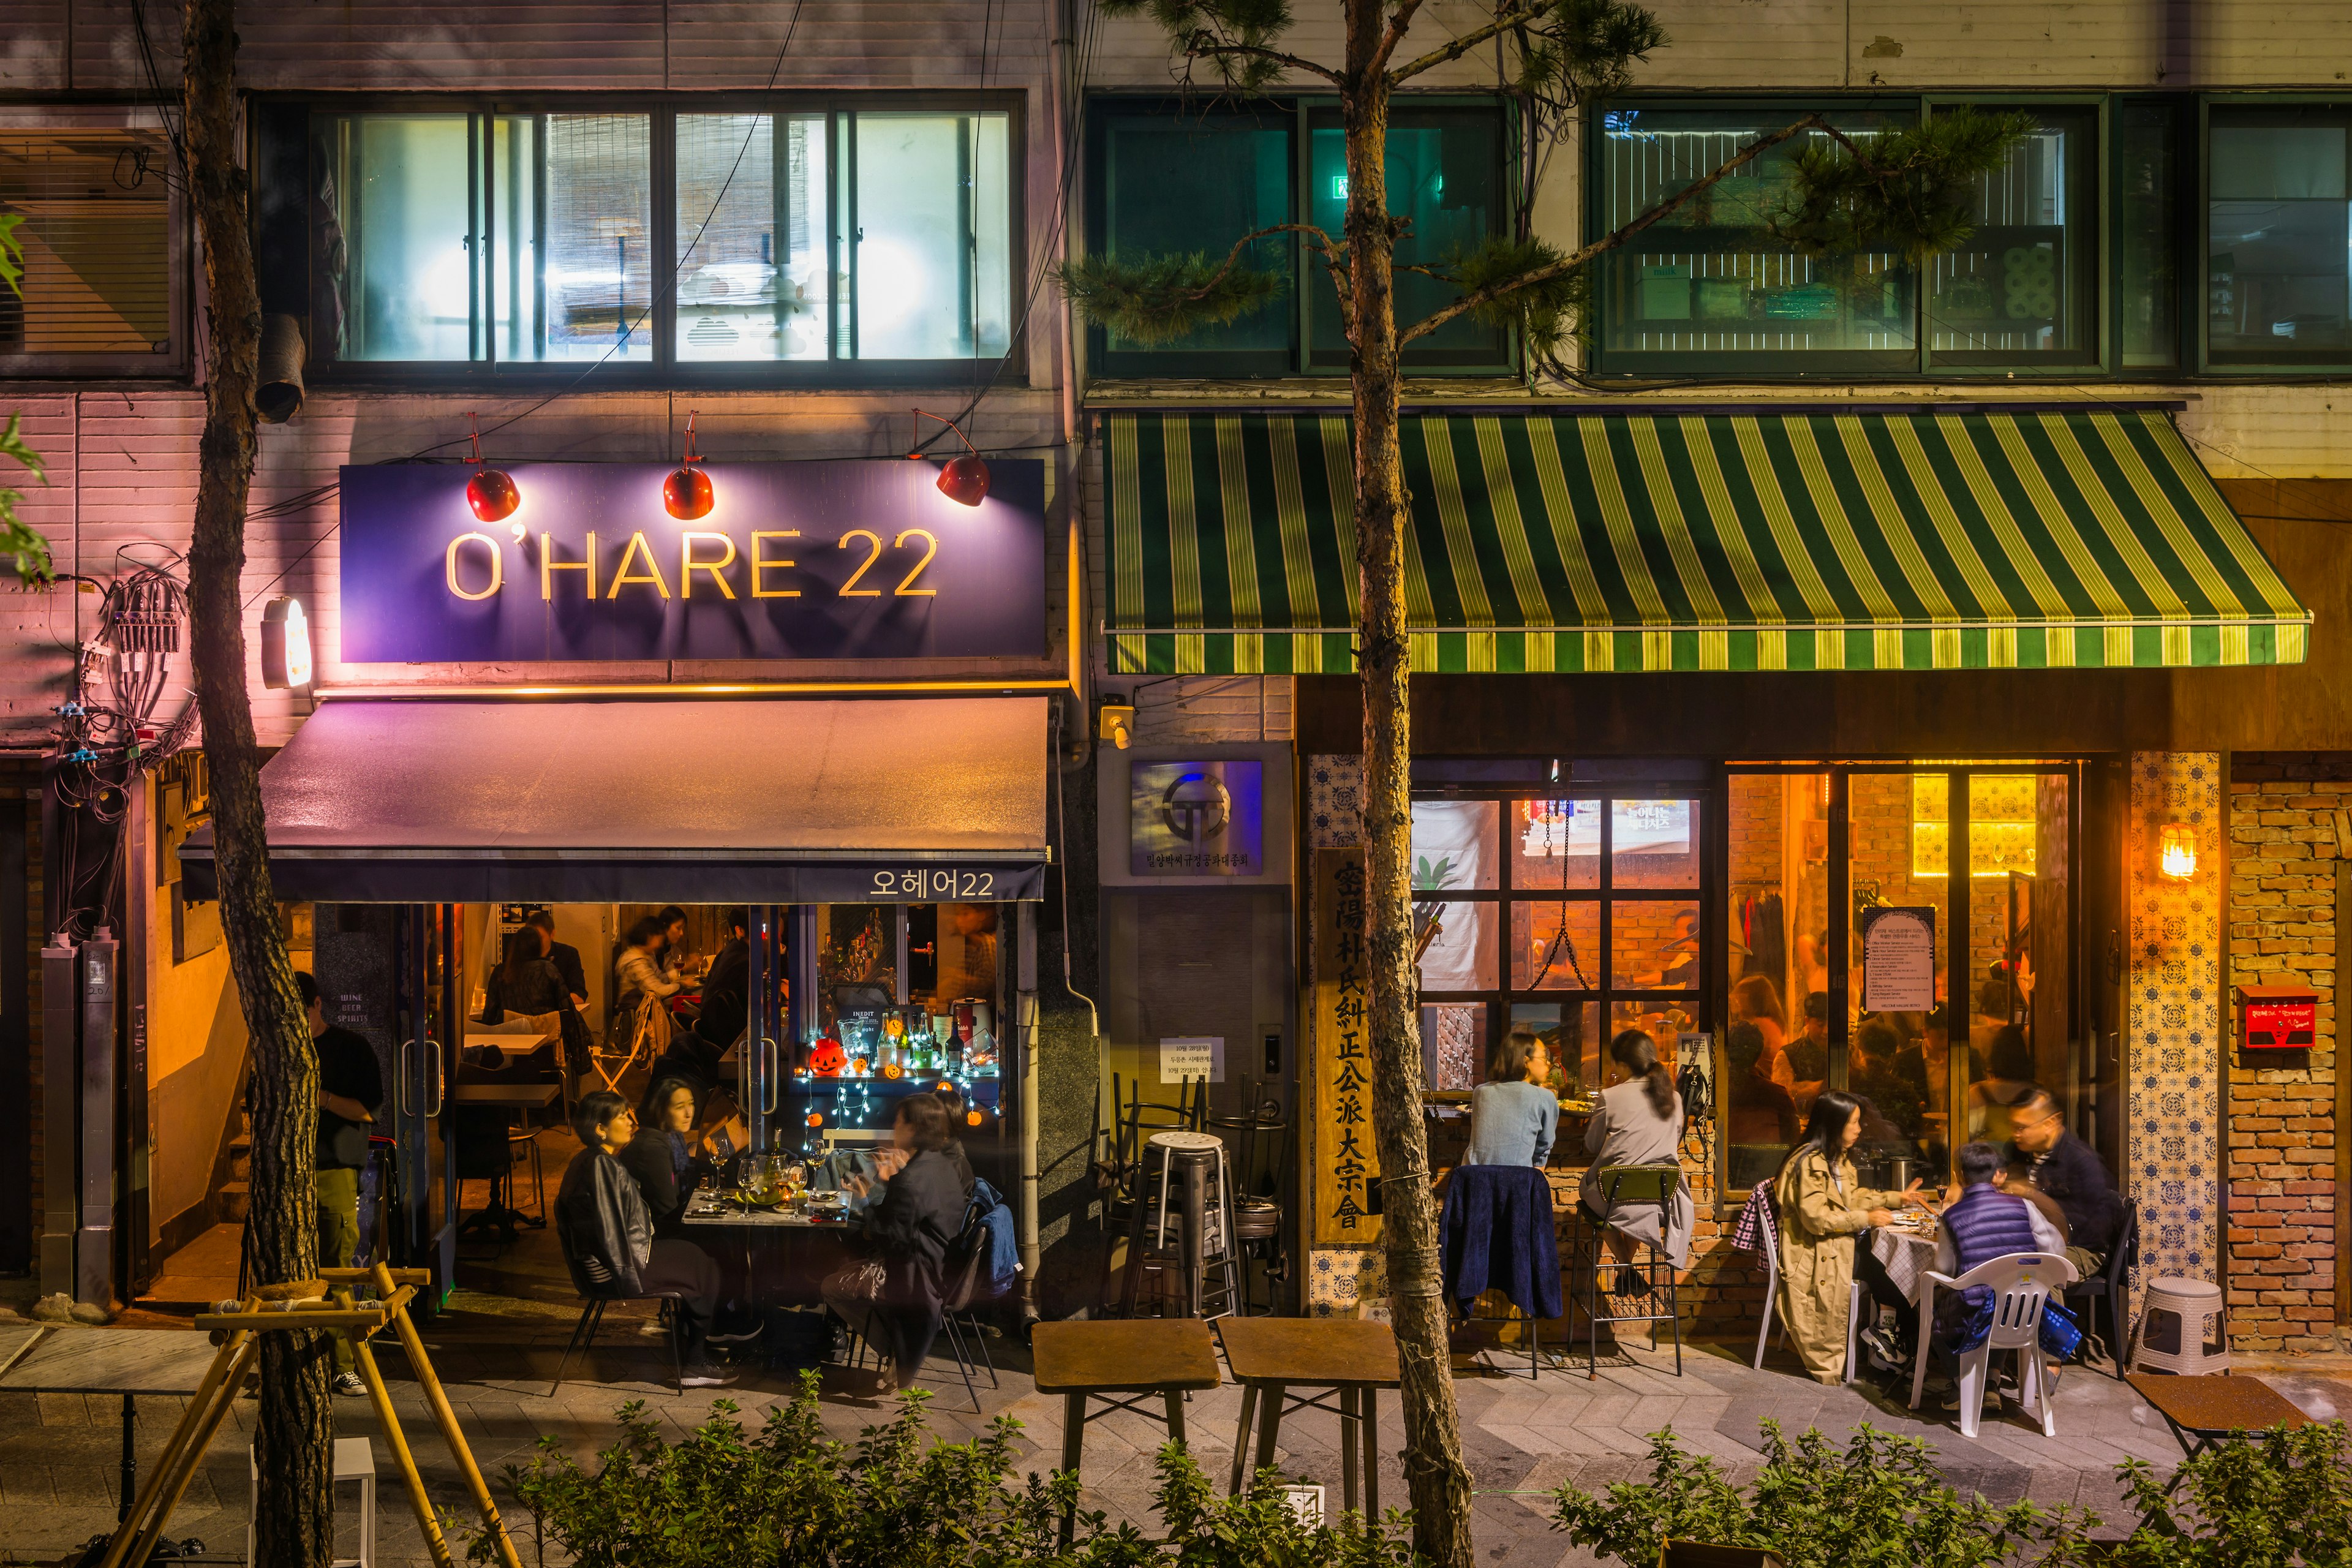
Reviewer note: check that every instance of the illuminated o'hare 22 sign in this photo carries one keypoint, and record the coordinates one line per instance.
(830, 560)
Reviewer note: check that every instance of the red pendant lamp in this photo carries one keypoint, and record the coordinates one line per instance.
(491, 493)
(687, 493)
(964, 479)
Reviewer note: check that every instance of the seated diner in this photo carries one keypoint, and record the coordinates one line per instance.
(1823, 1208)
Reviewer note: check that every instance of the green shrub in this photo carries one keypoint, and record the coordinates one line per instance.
(2280, 1498)
(1877, 1504)
(790, 1497)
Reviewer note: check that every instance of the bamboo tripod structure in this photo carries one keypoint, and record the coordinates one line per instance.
(324, 1303)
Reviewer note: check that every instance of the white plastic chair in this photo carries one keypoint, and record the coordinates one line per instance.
(1772, 1296)
(2021, 1283)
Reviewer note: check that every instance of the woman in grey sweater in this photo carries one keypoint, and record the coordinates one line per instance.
(1637, 1122)
(1513, 1114)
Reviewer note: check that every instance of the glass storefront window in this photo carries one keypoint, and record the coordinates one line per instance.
(2278, 265)
(1776, 1049)
(1555, 946)
(1708, 286)
(2023, 288)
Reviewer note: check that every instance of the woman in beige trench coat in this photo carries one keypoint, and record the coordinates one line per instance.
(1823, 1207)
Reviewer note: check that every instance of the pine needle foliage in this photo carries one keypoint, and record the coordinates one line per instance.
(1155, 299)
(1547, 313)
(1575, 50)
(1911, 192)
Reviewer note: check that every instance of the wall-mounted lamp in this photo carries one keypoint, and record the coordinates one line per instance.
(687, 494)
(1118, 724)
(2176, 853)
(285, 644)
(964, 479)
(491, 493)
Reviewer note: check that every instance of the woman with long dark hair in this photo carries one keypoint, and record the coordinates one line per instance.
(1513, 1114)
(1637, 1122)
(1823, 1207)
(525, 981)
(644, 988)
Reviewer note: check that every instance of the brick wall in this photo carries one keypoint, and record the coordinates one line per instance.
(2279, 1246)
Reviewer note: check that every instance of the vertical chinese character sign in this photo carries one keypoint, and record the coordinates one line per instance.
(1346, 1167)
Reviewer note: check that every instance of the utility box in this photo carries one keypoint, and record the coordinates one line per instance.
(2277, 1017)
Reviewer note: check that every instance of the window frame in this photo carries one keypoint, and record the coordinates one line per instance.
(1298, 112)
(1923, 365)
(179, 256)
(664, 369)
(2201, 234)
(2188, 264)
(1704, 999)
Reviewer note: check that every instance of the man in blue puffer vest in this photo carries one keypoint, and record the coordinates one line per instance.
(1984, 1223)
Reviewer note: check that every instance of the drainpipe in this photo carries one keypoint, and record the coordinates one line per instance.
(1026, 1002)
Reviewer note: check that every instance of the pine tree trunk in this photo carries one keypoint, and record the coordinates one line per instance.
(1435, 1478)
(294, 1517)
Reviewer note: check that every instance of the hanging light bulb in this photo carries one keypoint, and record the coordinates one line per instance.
(491, 493)
(964, 479)
(687, 493)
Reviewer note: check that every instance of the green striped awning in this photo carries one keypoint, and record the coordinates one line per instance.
(1769, 541)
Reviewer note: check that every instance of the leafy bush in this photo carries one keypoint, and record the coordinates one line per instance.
(790, 1497)
(2279, 1498)
(1879, 1502)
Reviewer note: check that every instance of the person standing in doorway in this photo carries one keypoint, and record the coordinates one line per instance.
(566, 959)
(351, 1092)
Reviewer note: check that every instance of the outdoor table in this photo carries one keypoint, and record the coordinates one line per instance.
(1907, 1255)
(1346, 1356)
(782, 1228)
(78, 1359)
(2208, 1409)
(1136, 1357)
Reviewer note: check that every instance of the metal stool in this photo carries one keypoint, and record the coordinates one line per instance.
(523, 1143)
(355, 1461)
(2177, 1344)
(1184, 1180)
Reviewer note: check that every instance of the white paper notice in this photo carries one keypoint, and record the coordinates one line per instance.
(1192, 1056)
(1898, 960)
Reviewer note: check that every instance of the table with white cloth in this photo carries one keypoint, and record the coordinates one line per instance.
(1907, 1256)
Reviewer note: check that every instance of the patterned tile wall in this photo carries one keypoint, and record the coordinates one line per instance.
(1340, 1280)
(2173, 1143)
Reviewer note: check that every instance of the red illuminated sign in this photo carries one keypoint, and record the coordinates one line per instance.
(2277, 1017)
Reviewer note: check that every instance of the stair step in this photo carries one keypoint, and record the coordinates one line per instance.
(233, 1200)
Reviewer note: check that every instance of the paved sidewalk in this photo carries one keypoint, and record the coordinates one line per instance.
(1523, 1437)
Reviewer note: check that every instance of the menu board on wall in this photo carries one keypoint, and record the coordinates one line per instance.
(1898, 958)
(1346, 1166)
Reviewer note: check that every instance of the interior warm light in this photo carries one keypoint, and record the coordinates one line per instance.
(964, 479)
(2176, 850)
(285, 644)
(491, 493)
(687, 494)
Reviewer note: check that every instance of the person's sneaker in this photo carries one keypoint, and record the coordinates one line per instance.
(1884, 1345)
(706, 1377)
(349, 1386)
(1952, 1398)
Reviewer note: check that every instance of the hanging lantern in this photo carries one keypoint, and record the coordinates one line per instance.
(491, 493)
(2176, 850)
(687, 494)
(964, 479)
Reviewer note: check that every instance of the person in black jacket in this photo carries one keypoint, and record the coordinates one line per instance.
(566, 959)
(662, 1155)
(896, 1294)
(604, 1227)
(2063, 1166)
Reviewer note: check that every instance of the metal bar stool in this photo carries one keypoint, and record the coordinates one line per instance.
(1185, 1183)
(1626, 1185)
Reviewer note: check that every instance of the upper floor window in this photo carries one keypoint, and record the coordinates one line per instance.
(98, 225)
(1166, 179)
(2278, 237)
(1710, 288)
(525, 239)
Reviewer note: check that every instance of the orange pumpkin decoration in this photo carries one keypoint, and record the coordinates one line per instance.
(816, 1118)
(893, 1070)
(827, 1058)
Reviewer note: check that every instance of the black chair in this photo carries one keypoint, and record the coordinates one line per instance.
(479, 1138)
(599, 1291)
(1457, 1243)
(2111, 1286)
(968, 1291)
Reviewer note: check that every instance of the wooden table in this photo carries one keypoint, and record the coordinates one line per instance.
(2202, 1410)
(1351, 1358)
(1135, 1357)
(811, 1249)
(520, 1096)
(76, 1359)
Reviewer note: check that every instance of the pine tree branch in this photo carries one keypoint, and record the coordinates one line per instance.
(1570, 262)
(1467, 42)
(1207, 46)
(1399, 23)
